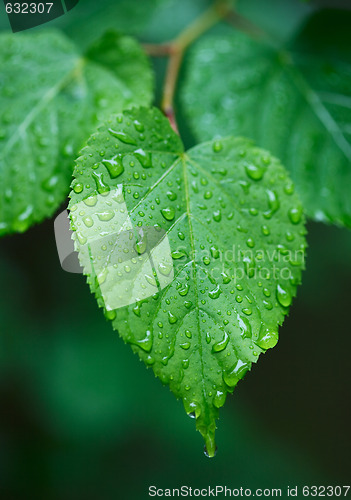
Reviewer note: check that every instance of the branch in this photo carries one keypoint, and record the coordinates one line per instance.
(176, 49)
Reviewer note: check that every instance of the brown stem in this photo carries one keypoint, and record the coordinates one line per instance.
(243, 24)
(177, 48)
(157, 50)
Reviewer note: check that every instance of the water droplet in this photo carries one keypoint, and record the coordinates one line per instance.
(217, 215)
(215, 252)
(232, 377)
(184, 290)
(245, 326)
(88, 221)
(220, 346)
(207, 454)
(91, 200)
(151, 280)
(206, 260)
(267, 339)
(214, 294)
(144, 158)
(185, 345)
(82, 239)
(289, 188)
(78, 188)
(136, 310)
(295, 215)
(255, 172)
(141, 246)
(265, 230)
(273, 204)
(146, 342)
(123, 137)
(177, 254)
(219, 399)
(139, 127)
(283, 296)
(185, 364)
(165, 268)
(217, 146)
(101, 187)
(114, 166)
(226, 278)
(171, 318)
(150, 360)
(171, 195)
(110, 315)
(106, 215)
(168, 213)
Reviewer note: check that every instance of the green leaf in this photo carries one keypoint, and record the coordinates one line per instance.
(204, 299)
(90, 19)
(51, 98)
(294, 101)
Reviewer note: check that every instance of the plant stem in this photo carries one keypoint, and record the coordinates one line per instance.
(177, 48)
(158, 49)
(244, 25)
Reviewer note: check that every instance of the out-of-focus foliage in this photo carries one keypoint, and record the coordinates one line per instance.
(51, 97)
(293, 100)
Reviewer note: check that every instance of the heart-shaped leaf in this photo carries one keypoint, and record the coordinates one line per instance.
(194, 256)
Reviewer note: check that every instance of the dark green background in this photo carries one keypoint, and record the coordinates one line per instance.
(81, 417)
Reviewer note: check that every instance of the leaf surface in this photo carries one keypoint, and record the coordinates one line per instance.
(51, 98)
(294, 100)
(211, 291)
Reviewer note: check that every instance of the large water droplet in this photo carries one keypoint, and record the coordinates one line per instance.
(221, 345)
(283, 296)
(146, 342)
(106, 215)
(78, 187)
(245, 326)
(295, 215)
(267, 339)
(171, 318)
(114, 166)
(214, 294)
(255, 172)
(168, 213)
(219, 399)
(165, 268)
(236, 373)
(123, 137)
(273, 204)
(101, 187)
(144, 158)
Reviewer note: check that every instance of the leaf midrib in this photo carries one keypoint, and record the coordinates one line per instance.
(315, 103)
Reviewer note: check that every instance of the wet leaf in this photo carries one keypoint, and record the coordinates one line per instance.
(195, 256)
